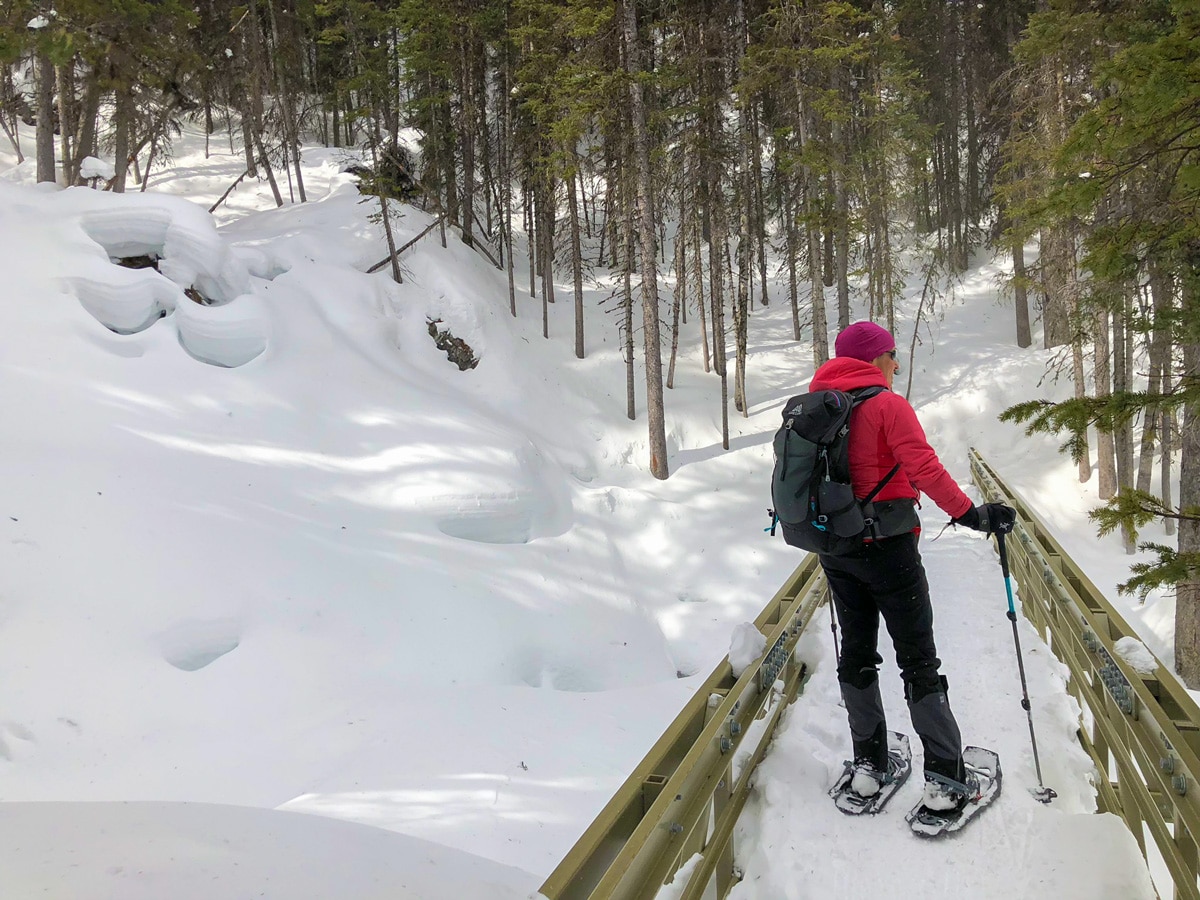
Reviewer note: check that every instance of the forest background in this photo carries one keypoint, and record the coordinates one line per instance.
(704, 139)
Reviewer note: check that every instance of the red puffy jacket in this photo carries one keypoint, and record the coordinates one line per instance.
(884, 431)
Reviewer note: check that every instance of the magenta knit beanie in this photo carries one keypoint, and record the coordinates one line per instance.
(864, 340)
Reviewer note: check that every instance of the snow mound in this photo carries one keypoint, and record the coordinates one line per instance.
(528, 502)
(91, 167)
(196, 851)
(122, 300)
(230, 335)
(746, 645)
(1137, 655)
(181, 234)
(191, 645)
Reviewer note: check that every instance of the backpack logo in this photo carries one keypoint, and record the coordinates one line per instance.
(810, 485)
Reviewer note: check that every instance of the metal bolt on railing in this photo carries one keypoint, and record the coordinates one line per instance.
(1180, 783)
(676, 828)
(726, 745)
(1167, 764)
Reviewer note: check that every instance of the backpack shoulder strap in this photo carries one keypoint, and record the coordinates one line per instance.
(860, 395)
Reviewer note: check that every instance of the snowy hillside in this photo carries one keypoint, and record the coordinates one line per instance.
(279, 553)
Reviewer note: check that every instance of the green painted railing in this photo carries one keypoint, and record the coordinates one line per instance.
(1141, 730)
(683, 799)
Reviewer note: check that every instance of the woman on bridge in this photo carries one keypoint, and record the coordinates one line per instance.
(885, 576)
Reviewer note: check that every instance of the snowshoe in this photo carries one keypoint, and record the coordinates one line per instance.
(854, 803)
(946, 808)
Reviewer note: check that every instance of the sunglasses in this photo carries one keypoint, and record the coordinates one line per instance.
(892, 354)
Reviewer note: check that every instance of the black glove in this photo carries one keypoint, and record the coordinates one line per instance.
(990, 518)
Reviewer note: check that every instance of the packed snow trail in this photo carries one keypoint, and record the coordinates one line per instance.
(793, 844)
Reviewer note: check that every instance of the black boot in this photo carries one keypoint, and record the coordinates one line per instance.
(873, 750)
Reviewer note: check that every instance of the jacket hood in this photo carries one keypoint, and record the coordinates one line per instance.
(845, 374)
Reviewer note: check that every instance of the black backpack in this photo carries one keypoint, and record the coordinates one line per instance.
(810, 486)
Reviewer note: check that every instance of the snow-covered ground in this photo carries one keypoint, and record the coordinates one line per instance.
(277, 555)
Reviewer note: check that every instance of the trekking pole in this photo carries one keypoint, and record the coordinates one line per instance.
(1043, 794)
(837, 653)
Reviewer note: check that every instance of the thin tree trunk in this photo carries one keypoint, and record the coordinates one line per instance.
(698, 264)
(1106, 453)
(760, 213)
(1159, 337)
(627, 301)
(467, 136)
(841, 202)
(1021, 294)
(1167, 429)
(546, 255)
(792, 250)
(1079, 379)
(266, 164)
(66, 120)
(149, 164)
(655, 413)
(745, 249)
(820, 323)
(291, 136)
(1123, 435)
(576, 265)
(248, 142)
(679, 298)
(506, 174)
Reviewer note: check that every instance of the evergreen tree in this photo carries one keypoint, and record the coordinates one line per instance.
(1128, 166)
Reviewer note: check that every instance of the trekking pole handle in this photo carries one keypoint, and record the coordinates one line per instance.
(1003, 553)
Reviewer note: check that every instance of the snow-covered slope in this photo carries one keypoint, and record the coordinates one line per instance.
(279, 552)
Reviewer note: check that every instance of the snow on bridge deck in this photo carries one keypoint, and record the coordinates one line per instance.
(793, 844)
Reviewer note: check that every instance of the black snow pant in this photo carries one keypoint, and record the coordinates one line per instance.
(886, 578)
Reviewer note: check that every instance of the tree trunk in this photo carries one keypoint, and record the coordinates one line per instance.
(659, 466)
(1167, 429)
(1079, 378)
(266, 164)
(506, 174)
(745, 250)
(45, 119)
(576, 265)
(820, 323)
(121, 123)
(841, 203)
(291, 136)
(1160, 300)
(1106, 454)
(627, 299)
(1187, 592)
(793, 249)
(1123, 434)
(1057, 259)
(66, 121)
(467, 136)
(1187, 611)
(546, 253)
(698, 264)
(760, 213)
(531, 232)
(679, 298)
(1021, 294)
